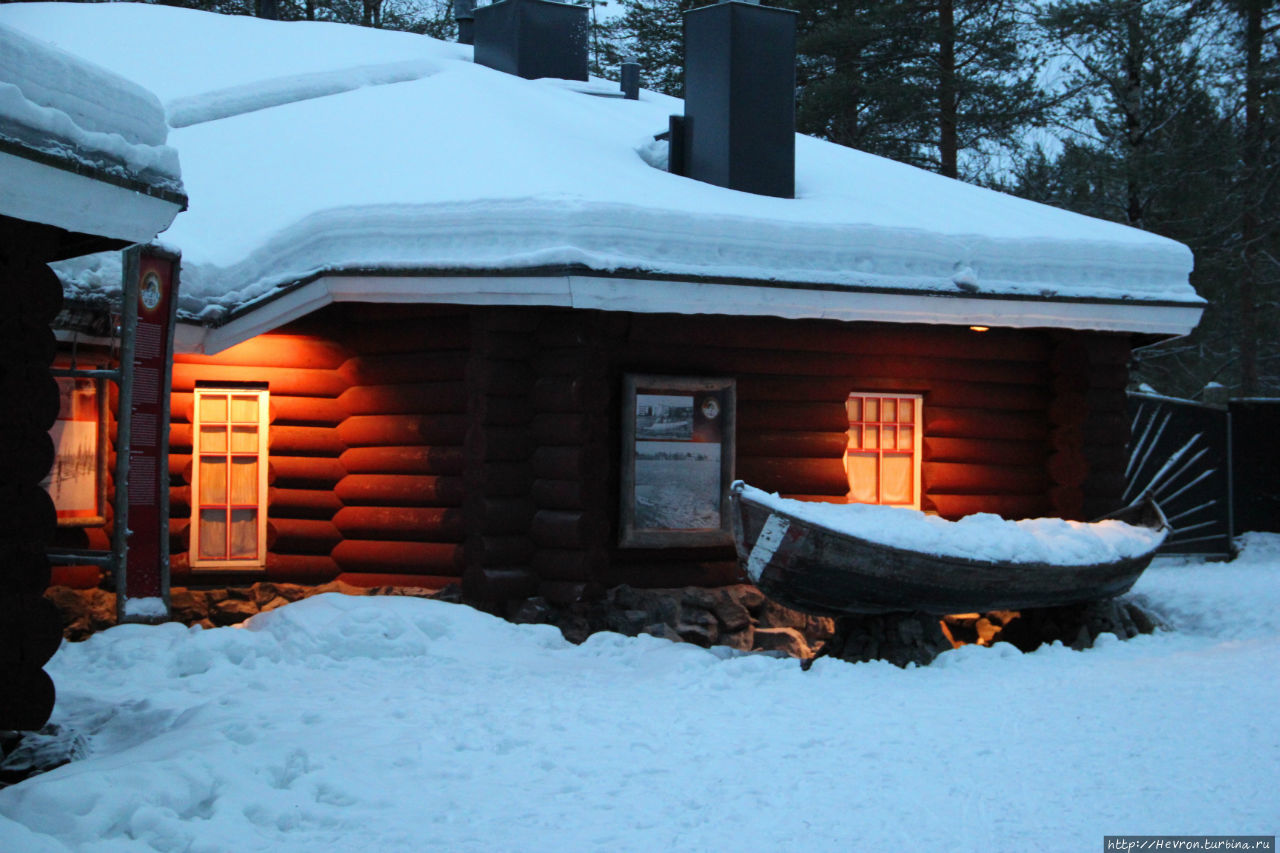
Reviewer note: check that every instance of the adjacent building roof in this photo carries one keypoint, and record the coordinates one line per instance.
(82, 148)
(328, 163)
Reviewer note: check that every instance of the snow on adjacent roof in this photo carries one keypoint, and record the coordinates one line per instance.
(66, 123)
(314, 149)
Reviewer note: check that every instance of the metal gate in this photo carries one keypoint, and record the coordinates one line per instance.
(1180, 451)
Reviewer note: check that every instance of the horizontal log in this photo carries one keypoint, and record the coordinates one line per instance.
(1108, 348)
(499, 376)
(981, 423)
(369, 580)
(499, 550)
(283, 409)
(794, 475)
(1008, 506)
(735, 361)
(76, 577)
(400, 490)
(415, 398)
(304, 441)
(1105, 428)
(278, 350)
(30, 628)
(414, 459)
(397, 369)
(427, 558)
(568, 529)
(554, 429)
(494, 516)
(572, 361)
(792, 444)
(28, 696)
(797, 416)
(566, 494)
(301, 472)
(1106, 400)
(498, 584)
(501, 344)
(500, 479)
(1067, 437)
(950, 342)
(563, 463)
(419, 524)
(399, 430)
(958, 477)
(1113, 377)
(1068, 468)
(989, 395)
(301, 568)
(569, 565)
(497, 444)
(569, 394)
(398, 335)
(289, 503)
(1069, 410)
(24, 568)
(495, 410)
(983, 451)
(290, 381)
(1067, 502)
(1076, 382)
(179, 468)
(302, 536)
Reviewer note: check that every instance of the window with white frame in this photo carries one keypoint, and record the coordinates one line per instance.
(882, 459)
(229, 479)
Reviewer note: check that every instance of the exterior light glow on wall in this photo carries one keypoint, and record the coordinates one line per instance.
(979, 328)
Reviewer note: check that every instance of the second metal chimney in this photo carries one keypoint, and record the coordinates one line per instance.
(740, 97)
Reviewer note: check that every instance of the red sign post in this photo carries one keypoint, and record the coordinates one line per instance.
(143, 585)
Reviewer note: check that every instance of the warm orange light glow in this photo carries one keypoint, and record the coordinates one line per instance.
(979, 328)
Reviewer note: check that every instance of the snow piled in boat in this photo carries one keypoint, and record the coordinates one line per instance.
(981, 536)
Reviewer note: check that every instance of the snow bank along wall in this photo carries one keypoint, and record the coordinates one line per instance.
(417, 445)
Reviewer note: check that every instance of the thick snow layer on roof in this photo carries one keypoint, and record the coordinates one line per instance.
(68, 107)
(311, 148)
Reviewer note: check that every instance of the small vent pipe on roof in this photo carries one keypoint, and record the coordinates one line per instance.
(740, 97)
(464, 12)
(630, 78)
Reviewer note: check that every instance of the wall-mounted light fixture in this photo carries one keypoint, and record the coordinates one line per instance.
(979, 328)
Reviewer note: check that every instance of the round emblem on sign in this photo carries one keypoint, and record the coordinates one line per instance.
(150, 291)
(710, 408)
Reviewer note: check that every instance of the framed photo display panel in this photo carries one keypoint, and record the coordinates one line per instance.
(77, 481)
(677, 461)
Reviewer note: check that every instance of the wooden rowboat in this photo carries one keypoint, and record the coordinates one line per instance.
(815, 569)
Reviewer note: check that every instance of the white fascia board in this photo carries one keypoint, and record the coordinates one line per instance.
(37, 192)
(648, 296)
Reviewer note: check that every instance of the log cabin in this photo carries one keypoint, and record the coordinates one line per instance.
(441, 322)
(83, 168)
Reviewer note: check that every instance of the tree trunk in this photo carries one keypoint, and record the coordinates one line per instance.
(947, 96)
(1132, 106)
(1253, 180)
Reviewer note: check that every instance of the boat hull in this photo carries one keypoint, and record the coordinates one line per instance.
(826, 573)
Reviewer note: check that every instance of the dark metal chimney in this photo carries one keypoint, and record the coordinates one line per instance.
(464, 14)
(740, 97)
(533, 38)
(630, 78)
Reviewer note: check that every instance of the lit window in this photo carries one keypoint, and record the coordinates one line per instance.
(883, 456)
(229, 481)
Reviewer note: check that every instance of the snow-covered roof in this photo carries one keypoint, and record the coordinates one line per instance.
(81, 147)
(328, 163)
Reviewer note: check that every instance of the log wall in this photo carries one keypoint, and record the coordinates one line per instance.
(421, 444)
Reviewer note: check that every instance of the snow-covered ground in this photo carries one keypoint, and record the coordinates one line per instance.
(398, 724)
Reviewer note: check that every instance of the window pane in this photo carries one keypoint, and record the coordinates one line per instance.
(871, 437)
(889, 411)
(862, 478)
(244, 439)
(213, 533)
(854, 407)
(896, 479)
(244, 480)
(244, 534)
(872, 409)
(213, 480)
(213, 408)
(855, 436)
(213, 439)
(906, 409)
(244, 409)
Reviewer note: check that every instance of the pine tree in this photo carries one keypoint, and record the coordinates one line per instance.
(943, 84)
